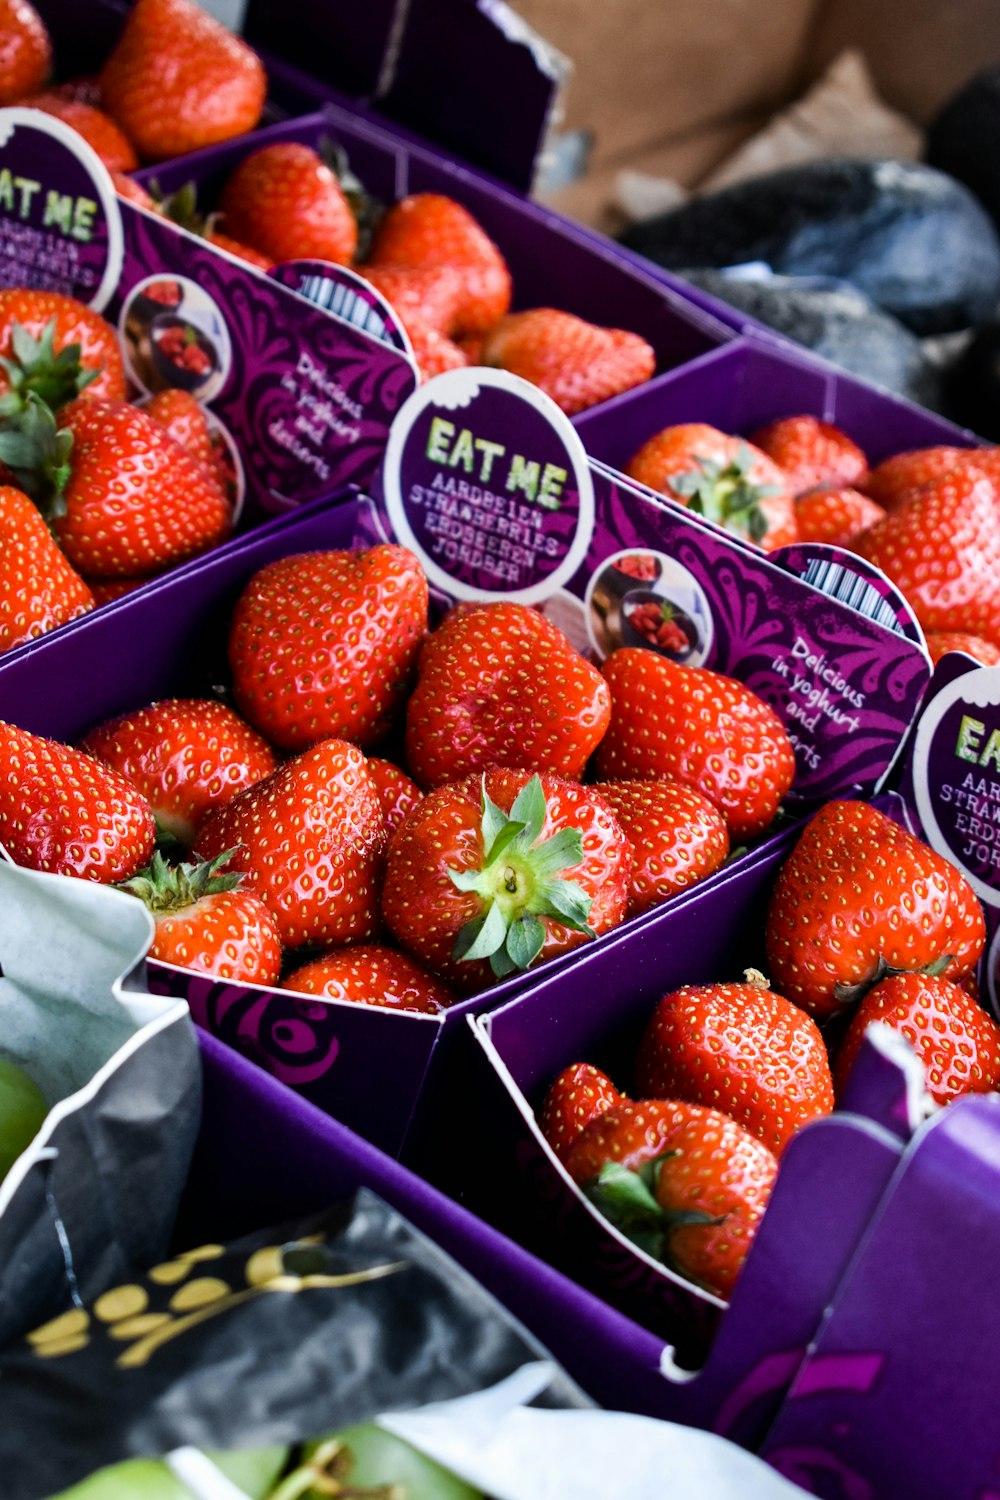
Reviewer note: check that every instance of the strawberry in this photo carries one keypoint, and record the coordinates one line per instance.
(178, 80)
(940, 642)
(311, 841)
(434, 352)
(579, 1095)
(675, 723)
(740, 1048)
(941, 548)
(428, 295)
(501, 685)
(811, 452)
(372, 974)
(574, 362)
(105, 590)
(860, 896)
(287, 204)
(954, 1038)
(186, 755)
(38, 329)
(725, 479)
(25, 51)
(127, 187)
(490, 875)
(835, 516)
(429, 230)
(397, 794)
(686, 1183)
(894, 478)
(63, 811)
(325, 643)
(184, 418)
(38, 588)
(205, 922)
(97, 128)
(677, 836)
(215, 236)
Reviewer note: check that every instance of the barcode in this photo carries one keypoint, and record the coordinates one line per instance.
(345, 303)
(844, 584)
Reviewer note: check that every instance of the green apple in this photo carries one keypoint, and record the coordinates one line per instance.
(150, 1479)
(22, 1113)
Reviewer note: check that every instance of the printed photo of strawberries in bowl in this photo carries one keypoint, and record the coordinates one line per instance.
(647, 619)
(182, 354)
(162, 295)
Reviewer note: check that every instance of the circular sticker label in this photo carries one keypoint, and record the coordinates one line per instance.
(855, 582)
(956, 777)
(346, 295)
(60, 225)
(487, 481)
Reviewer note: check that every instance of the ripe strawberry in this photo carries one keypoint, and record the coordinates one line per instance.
(742, 1049)
(812, 452)
(397, 794)
(501, 685)
(285, 202)
(184, 418)
(215, 236)
(725, 479)
(940, 642)
(97, 128)
(429, 295)
(179, 80)
(372, 974)
(63, 811)
(25, 51)
(894, 478)
(954, 1038)
(186, 755)
(575, 362)
(579, 1095)
(37, 331)
(311, 841)
(835, 516)
(38, 588)
(686, 1183)
(674, 723)
(434, 352)
(677, 836)
(941, 548)
(429, 230)
(205, 922)
(490, 875)
(127, 187)
(325, 643)
(859, 896)
(106, 589)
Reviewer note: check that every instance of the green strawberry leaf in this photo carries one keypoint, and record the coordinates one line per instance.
(524, 941)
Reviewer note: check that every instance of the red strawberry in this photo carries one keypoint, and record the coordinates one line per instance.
(215, 236)
(286, 203)
(677, 836)
(38, 588)
(311, 840)
(954, 1038)
(372, 974)
(186, 755)
(184, 418)
(127, 187)
(742, 1049)
(835, 516)
(25, 51)
(501, 685)
(894, 478)
(325, 643)
(859, 896)
(179, 80)
(36, 358)
(723, 478)
(688, 1184)
(940, 642)
(430, 295)
(205, 922)
(106, 589)
(429, 230)
(941, 548)
(434, 352)
(575, 362)
(490, 875)
(579, 1095)
(97, 128)
(63, 811)
(397, 794)
(811, 452)
(674, 723)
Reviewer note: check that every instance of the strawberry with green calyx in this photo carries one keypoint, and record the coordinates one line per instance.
(51, 324)
(204, 921)
(684, 1182)
(35, 368)
(725, 494)
(579, 1095)
(491, 875)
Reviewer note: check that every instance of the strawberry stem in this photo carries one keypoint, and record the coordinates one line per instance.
(628, 1200)
(37, 452)
(723, 493)
(166, 888)
(33, 368)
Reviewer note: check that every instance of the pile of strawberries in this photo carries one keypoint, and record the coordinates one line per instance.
(374, 789)
(865, 924)
(930, 519)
